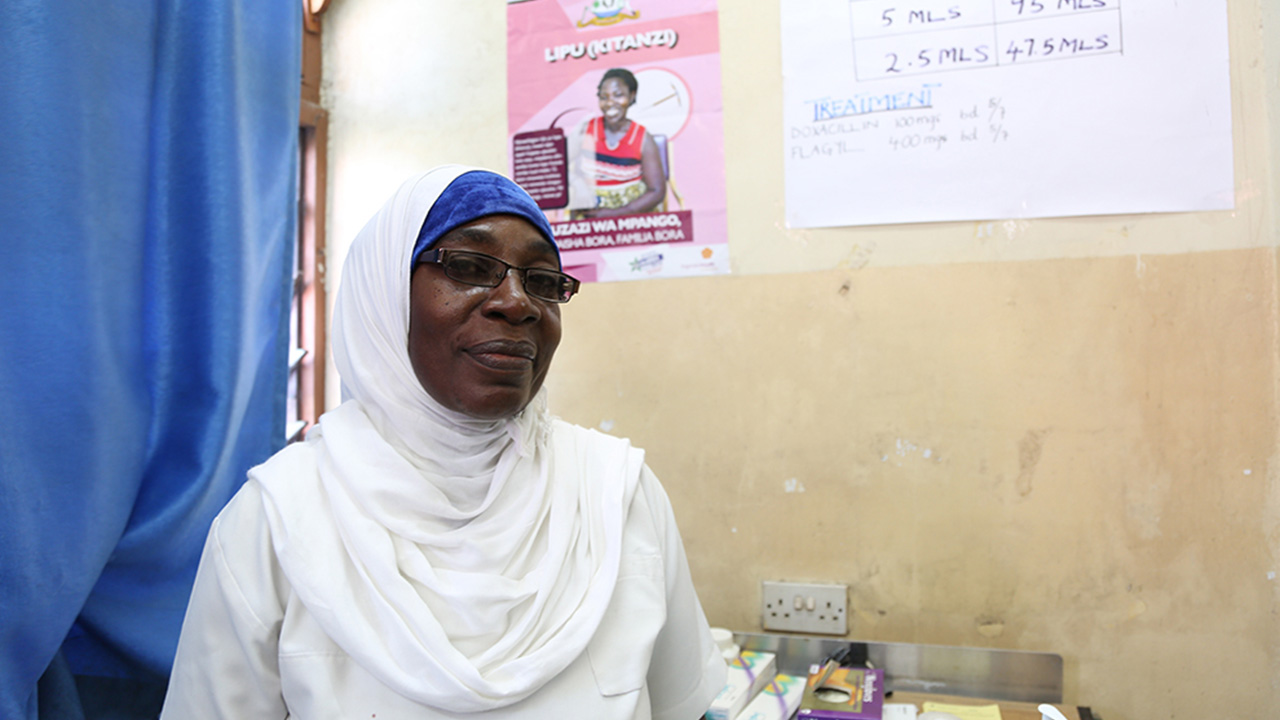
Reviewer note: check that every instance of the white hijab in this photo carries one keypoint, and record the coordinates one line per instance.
(462, 562)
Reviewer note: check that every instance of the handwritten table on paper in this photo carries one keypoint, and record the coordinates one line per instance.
(925, 110)
(892, 39)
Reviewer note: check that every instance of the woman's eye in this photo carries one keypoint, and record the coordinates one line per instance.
(542, 285)
(470, 268)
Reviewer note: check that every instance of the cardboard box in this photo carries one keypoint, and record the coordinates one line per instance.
(843, 693)
(748, 674)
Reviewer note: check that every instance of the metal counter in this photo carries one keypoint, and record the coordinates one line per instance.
(969, 672)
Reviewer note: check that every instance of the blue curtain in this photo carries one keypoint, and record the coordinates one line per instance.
(148, 161)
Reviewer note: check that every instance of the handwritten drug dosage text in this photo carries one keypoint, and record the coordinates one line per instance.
(972, 123)
(893, 38)
(904, 122)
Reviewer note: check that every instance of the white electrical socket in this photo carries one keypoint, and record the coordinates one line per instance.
(805, 608)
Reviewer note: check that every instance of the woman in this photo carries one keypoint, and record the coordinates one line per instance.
(627, 168)
(441, 547)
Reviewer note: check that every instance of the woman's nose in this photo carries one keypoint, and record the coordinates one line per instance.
(510, 300)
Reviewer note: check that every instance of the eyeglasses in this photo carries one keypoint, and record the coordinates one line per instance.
(473, 268)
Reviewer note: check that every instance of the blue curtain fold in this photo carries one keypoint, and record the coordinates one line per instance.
(148, 179)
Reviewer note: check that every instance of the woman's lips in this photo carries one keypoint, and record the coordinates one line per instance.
(504, 354)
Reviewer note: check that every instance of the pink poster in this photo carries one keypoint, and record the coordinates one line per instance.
(614, 114)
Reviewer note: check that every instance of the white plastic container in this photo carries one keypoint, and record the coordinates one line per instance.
(724, 640)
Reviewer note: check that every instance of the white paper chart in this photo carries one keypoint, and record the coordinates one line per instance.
(928, 110)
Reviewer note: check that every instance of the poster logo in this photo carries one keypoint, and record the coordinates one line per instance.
(650, 262)
(607, 12)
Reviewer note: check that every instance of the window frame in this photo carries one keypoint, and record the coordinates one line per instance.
(308, 299)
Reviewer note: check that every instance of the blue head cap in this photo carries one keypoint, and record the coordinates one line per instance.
(473, 195)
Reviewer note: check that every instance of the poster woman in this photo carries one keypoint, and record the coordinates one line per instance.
(621, 157)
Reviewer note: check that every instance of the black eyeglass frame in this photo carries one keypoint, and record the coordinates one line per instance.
(440, 256)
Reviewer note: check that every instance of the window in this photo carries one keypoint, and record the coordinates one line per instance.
(307, 315)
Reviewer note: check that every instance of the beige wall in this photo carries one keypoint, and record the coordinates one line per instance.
(1050, 435)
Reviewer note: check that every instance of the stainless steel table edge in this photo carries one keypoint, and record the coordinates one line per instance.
(1015, 675)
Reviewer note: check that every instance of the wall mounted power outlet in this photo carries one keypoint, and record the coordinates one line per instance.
(805, 608)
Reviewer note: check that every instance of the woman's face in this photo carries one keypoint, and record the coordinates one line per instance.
(484, 351)
(614, 98)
